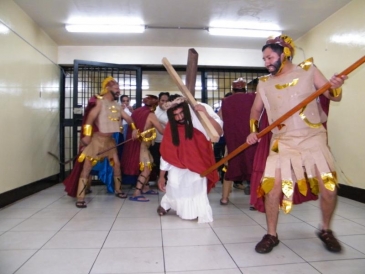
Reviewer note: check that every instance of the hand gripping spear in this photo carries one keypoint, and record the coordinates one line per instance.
(283, 117)
(140, 136)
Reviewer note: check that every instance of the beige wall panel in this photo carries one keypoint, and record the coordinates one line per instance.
(154, 55)
(29, 102)
(335, 44)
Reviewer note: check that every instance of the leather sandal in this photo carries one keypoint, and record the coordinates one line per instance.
(330, 242)
(161, 211)
(81, 204)
(267, 244)
(121, 195)
(223, 203)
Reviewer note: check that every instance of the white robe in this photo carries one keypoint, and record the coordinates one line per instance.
(186, 191)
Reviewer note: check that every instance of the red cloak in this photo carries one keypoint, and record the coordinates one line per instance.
(71, 182)
(236, 120)
(195, 154)
(130, 158)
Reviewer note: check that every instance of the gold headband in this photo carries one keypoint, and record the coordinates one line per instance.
(286, 42)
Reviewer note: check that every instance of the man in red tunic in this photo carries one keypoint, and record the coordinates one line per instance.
(236, 116)
(136, 158)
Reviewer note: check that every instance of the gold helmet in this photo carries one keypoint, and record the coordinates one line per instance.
(106, 81)
(286, 42)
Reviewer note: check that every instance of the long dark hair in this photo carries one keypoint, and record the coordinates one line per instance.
(173, 124)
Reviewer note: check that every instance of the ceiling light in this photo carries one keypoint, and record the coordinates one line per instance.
(243, 32)
(3, 29)
(106, 28)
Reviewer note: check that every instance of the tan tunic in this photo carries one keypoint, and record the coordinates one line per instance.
(299, 145)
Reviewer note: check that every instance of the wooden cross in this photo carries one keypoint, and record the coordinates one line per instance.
(212, 133)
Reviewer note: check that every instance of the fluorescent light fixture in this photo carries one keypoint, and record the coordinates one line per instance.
(3, 29)
(106, 28)
(243, 32)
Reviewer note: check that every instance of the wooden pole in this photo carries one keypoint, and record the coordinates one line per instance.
(283, 117)
(212, 133)
(191, 70)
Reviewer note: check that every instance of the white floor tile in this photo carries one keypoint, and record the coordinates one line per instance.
(355, 241)
(189, 258)
(244, 255)
(341, 266)
(77, 239)
(172, 221)
(313, 250)
(17, 213)
(359, 221)
(11, 260)
(241, 234)
(46, 233)
(295, 231)
(232, 220)
(313, 215)
(211, 271)
(137, 223)
(129, 260)
(89, 223)
(134, 238)
(189, 237)
(300, 268)
(60, 261)
(33, 224)
(49, 213)
(344, 227)
(24, 240)
(6, 224)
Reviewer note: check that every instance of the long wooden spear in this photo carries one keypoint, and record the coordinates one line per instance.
(283, 117)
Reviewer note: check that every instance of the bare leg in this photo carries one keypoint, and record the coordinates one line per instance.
(272, 203)
(226, 190)
(140, 184)
(328, 205)
(328, 202)
(82, 185)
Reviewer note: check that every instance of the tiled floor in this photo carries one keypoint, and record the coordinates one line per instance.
(46, 233)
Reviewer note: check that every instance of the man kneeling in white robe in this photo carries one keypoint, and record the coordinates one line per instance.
(186, 151)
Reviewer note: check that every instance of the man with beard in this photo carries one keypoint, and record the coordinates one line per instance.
(186, 151)
(136, 158)
(101, 120)
(299, 158)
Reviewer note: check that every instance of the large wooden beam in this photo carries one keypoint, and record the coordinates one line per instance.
(191, 71)
(212, 133)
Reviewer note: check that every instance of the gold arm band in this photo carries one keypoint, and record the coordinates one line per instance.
(133, 126)
(254, 125)
(335, 92)
(88, 130)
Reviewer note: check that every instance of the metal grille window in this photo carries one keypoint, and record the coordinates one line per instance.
(84, 80)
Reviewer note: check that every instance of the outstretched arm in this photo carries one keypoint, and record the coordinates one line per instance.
(154, 121)
(216, 125)
(335, 92)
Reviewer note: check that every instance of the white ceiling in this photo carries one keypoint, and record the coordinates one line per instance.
(294, 17)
